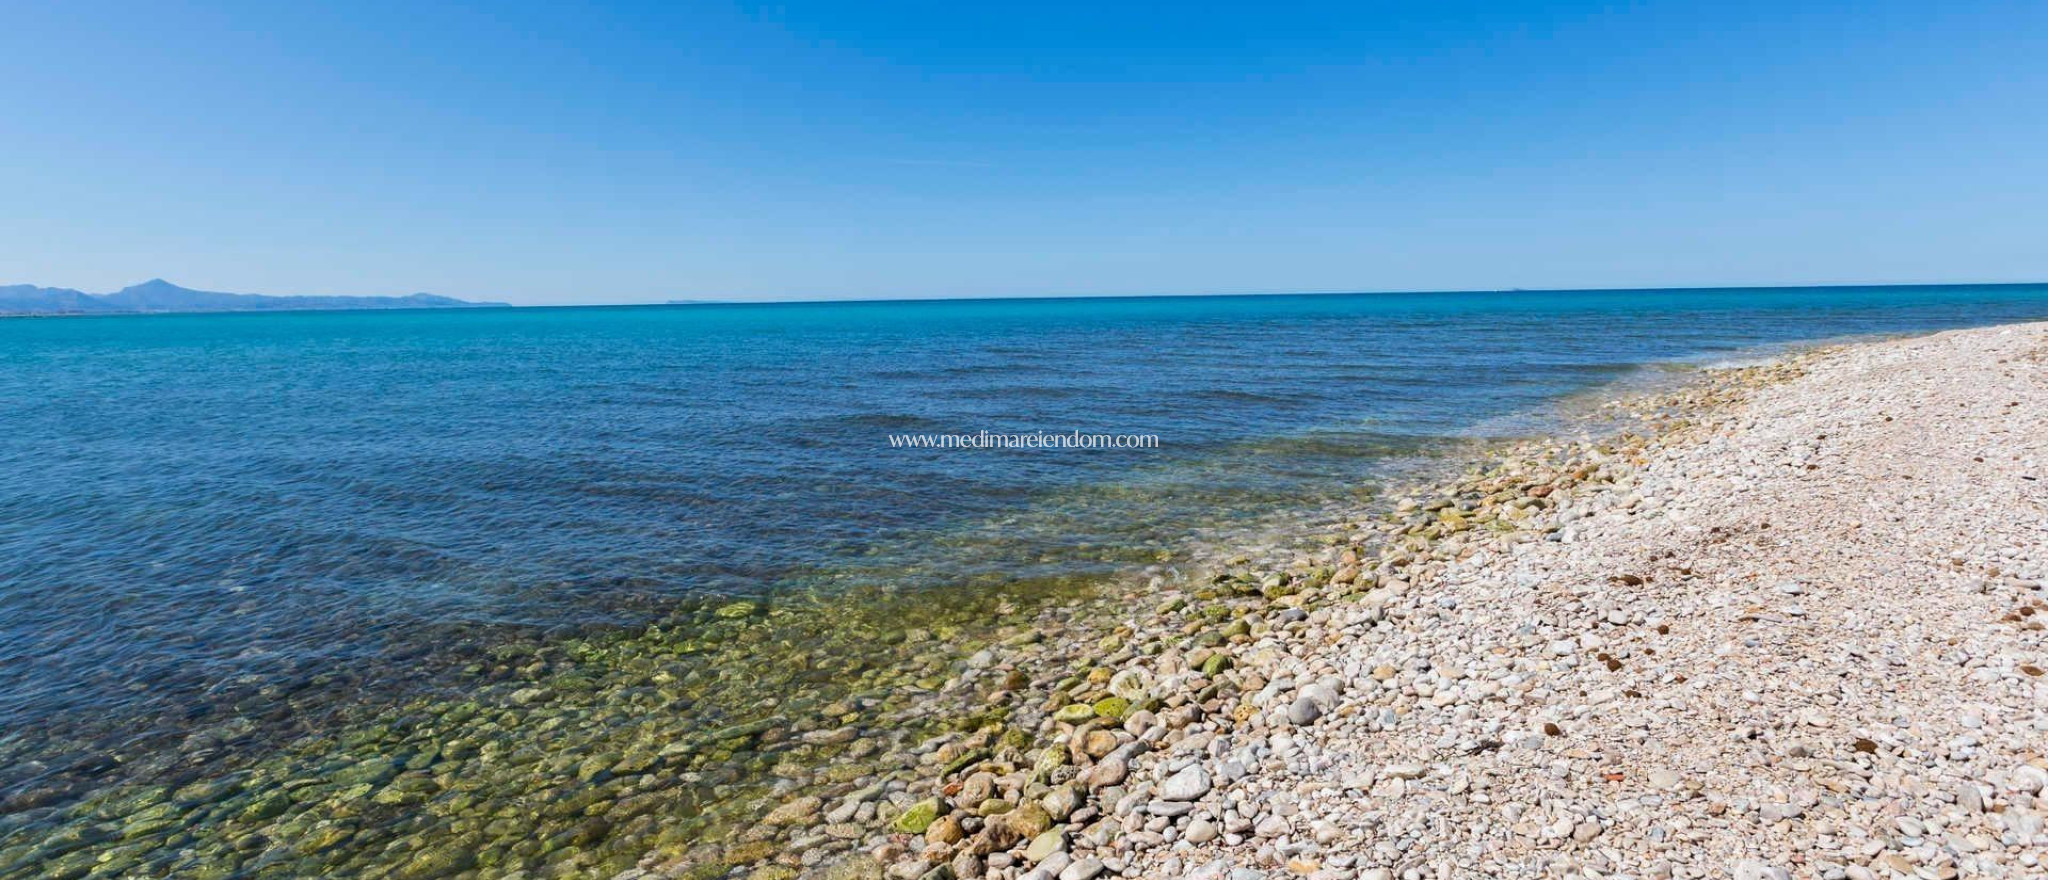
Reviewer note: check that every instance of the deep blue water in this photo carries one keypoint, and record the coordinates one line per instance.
(192, 502)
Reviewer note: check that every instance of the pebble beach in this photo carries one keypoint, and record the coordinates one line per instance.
(852, 441)
(1783, 622)
(1790, 627)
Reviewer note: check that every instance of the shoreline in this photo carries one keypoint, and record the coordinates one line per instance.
(1022, 737)
(1278, 747)
(1227, 611)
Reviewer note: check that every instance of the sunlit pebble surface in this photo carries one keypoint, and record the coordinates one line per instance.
(1795, 633)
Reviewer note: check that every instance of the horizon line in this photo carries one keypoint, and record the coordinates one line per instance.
(1690, 288)
(471, 305)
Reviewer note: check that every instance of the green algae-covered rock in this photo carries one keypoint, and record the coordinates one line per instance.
(967, 759)
(1049, 759)
(1112, 708)
(859, 866)
(208, 790)
(269, 805)
(1131, 684)
(794, 812)
(596, 765)
(72, 866)
(371, 771)
(1014, 738)
(438, 860)
(1074, 713)
(324, 836)
(131, 801)
(147, 826)
(920, 816)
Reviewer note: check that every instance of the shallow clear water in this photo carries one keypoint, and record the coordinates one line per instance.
(208, 504)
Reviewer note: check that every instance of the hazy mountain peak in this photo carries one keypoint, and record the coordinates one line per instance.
(158, 295)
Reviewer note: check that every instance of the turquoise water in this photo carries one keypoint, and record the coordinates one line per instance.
(203, 513)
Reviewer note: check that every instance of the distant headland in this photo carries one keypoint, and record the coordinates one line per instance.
(158, 295)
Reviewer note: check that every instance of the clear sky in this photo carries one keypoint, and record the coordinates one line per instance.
(560, 152)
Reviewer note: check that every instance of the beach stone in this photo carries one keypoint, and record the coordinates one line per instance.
(977, 788)
(1404, 771)
(1028, 819)
(1191, 783)
(1970, 797)
(1044, 845)
(1272, 825)
(2029, 778)
(854, 866)
(1085, 869)
(1049, 760)
(1098, 743)
(1074, 713)
(1109, 771)
(944, 830)
(797, 811)
(918, 816)
(1061, 802)
(1303, 711)
(833, 737)
(1131, 684)
(967, 865)
(1054, 864)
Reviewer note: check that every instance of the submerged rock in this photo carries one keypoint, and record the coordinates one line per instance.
(918, 816)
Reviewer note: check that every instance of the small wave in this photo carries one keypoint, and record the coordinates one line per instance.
(900, 422)
(1232, 395)
(1738, 362)
(1012, 392)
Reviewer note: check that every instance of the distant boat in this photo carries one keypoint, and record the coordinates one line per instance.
(158, 295)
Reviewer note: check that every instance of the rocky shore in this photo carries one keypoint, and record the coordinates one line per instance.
(1790, 628)
(1787, 624)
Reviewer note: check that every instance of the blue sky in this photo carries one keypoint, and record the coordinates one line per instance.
(561, 153)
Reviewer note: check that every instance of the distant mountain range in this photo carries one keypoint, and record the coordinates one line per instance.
(158, 295)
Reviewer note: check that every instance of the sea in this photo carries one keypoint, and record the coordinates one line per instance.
(283, 518)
